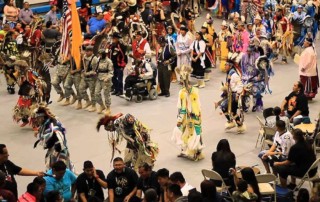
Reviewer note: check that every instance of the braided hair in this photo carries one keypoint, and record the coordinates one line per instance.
(277, 112)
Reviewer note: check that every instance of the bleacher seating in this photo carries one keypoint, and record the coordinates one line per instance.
(45, 8)
(42, 9)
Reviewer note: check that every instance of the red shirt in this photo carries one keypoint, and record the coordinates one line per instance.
(27, 197)
(283, 22)
(107, 16)
(35, 38)
(136, 45)
(27, 34)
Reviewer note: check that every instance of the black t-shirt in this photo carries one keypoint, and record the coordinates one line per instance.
(218, 198)
(10, 169)
(84, 184)
(145, 16)
(150, 182)
(50, 33)
(122, 183)
(222, 162)
(302, 155)
(297, 102)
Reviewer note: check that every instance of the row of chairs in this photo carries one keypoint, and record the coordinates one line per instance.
(267, 182)
(266, 132)
(264, 180)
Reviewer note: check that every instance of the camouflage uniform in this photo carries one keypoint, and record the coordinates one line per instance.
(88, 78)
(73, 79)
(105, 74)
(60, 77)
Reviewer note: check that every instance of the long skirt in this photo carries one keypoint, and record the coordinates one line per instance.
(198, 69)
(311, 85)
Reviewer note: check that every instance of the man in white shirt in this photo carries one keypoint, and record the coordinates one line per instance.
(177, 178)
(279, 150)
(234, 87)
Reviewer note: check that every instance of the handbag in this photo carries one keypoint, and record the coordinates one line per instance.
(284, 194)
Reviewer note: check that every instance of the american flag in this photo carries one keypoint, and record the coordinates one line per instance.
(66, 30)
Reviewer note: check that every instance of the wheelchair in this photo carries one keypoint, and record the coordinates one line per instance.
(144, 88)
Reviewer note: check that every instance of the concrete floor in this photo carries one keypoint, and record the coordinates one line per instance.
(85, 143)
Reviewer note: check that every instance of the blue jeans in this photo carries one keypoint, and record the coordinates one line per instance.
(272, 159)
(301, 119)
(88, 36)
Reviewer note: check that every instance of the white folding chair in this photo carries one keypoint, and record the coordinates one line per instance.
(264, 132)
(213, 175)
(266, 189)
(315, 144)
(268, 132)
(307, 177)
(261, 131)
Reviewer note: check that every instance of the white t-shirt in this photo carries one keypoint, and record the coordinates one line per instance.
(283, 142)
(185, 189)
(236, 84)
(271, 121)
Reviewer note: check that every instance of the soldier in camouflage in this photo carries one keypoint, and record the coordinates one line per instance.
(89, 77)
(60, 76)
(73, 78)
(105, 74)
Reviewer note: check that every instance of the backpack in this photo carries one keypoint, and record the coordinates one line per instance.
(284, 194)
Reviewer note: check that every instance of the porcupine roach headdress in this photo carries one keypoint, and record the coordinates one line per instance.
(41, 110)
(21, 63)
(106, 120)
(38, 110)
(113, 138)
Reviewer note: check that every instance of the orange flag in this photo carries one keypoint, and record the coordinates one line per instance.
(76, 34)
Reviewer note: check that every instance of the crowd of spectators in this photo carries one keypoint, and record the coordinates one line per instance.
(124, 183)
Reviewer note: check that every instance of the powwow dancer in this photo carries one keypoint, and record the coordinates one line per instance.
(188, 132)
(30, 91)
(250, 76)
(139, 148)
(232, 97)
(51, 135)
(223, 44)
(283, 34)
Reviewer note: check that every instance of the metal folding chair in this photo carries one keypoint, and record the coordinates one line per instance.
(307, 177)
(264, 132)
(261, 131)
(213, 175)
(315, 144)
(265, 187)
